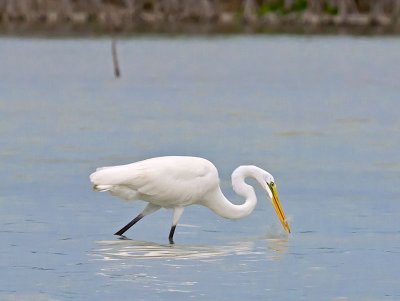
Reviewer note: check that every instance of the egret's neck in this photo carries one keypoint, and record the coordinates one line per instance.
(223, 207)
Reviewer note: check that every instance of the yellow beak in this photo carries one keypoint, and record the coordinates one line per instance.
(277, 206)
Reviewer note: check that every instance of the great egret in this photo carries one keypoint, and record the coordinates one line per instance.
(177, 181)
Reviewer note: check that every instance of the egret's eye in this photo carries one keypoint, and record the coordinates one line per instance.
(272, 184)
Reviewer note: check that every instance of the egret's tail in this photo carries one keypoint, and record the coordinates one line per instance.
(98, 182)
(101, 188)
(112, 180)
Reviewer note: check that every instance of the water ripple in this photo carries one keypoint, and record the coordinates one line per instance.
(124, 249)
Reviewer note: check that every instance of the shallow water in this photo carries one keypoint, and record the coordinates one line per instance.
(321, 114)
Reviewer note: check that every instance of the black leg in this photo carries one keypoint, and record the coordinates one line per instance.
(171, 235)
(130, 224)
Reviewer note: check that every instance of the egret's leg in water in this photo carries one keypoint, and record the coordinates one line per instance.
(177, 215)
(150, 208)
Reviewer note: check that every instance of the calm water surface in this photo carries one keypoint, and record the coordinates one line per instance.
(321, 114)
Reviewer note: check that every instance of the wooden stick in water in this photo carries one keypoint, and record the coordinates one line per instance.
(117, 71)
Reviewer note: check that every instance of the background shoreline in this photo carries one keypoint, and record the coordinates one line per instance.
(97, 17)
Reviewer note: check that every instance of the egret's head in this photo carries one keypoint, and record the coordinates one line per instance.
(270, 186)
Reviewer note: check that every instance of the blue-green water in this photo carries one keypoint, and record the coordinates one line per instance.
(321, 114)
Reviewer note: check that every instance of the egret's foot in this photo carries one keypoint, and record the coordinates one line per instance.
(123, 237)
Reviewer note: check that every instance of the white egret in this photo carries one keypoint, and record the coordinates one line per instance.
(177, 181)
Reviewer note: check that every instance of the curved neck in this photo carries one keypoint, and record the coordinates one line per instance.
(223, 207)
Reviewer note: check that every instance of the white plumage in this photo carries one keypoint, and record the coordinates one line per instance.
(176, 182)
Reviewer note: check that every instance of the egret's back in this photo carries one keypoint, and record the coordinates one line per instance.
(164, 181)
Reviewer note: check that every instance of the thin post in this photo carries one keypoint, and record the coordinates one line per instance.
(117, 71)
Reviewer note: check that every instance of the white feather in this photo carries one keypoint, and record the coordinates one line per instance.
(164, 181)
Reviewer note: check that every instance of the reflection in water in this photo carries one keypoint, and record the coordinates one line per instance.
(126, 248)
(278, 246)
(150, 264)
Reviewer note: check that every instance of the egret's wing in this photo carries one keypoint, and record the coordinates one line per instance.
(165, 178)
(174, 179)
(171, 182)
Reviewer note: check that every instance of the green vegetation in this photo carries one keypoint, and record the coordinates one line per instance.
(273, 7)
(330, 9)
(278, 7)
(299, 5)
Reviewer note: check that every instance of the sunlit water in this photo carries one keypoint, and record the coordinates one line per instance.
(321, 114)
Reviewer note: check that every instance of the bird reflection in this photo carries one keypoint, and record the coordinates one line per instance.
(123, 249)
(278, 246)
(133, 249)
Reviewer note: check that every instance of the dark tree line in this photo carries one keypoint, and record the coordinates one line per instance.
(123, 13)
